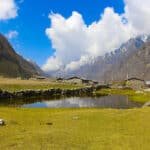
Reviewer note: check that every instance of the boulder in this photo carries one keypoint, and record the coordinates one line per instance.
(147, 104)
(2, 122)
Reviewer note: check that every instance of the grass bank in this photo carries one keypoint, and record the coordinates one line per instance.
(138, 96)
(13, 85)
(76, 129)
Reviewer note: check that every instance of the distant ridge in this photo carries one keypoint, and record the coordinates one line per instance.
(132, 59)
(14, 65)
(136, 65)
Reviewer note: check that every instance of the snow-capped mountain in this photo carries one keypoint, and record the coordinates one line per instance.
(108, 67)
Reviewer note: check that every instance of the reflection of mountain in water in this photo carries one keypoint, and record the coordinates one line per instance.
(115, 101)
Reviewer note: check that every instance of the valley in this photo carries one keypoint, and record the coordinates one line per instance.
(103, 104)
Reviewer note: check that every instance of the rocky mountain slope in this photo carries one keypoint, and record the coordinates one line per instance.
(136, 65)
(12, 64)
(117, 65)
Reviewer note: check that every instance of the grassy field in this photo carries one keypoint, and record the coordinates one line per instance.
(18, 84)
(75, 129)
(140, 96)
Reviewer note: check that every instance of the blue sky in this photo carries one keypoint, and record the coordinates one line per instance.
(32, 21)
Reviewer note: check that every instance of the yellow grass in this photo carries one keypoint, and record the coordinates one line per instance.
(75, 129)
(18, 84)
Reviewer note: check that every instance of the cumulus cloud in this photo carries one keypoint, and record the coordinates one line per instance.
(138, 14)
(56, 64)
(8, 9)
(12, 34)
(76, 44)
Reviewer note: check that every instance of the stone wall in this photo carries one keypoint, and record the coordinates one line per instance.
(88, 91)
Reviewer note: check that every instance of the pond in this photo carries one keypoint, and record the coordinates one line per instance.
(114, 101)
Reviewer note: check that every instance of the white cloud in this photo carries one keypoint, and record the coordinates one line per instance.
(138, 14)
(76, 43)
(77, 64)
(8, 9)
(55, 64)
(12, 34)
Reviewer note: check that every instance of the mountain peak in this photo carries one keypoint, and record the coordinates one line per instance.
(113, 65)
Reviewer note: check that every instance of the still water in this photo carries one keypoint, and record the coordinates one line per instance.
(115, 101)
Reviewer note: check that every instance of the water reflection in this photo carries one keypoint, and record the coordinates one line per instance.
(115, 101)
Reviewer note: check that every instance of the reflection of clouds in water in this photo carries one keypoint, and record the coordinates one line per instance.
(71, 102)
(36, 105)
(115, 101)
(107, 102)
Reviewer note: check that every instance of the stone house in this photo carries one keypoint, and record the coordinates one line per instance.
(60, 79)
(74, 80)
(77, 80)
(90, 82)
(147, 83)
(135, 83)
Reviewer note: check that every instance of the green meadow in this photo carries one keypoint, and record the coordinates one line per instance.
(75, 129)
(138, 96)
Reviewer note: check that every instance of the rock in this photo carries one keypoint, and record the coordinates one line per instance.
(75, 118)
(2, 122)
(49, 123)
(147, 90)
(147, 104)
(139, 92)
